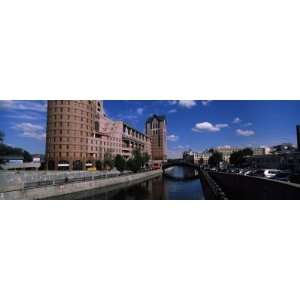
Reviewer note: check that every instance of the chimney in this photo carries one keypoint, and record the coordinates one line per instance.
(298, 137)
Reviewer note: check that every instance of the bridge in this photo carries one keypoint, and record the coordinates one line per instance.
(179, 162)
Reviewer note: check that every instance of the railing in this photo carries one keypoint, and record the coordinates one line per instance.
(67, 180)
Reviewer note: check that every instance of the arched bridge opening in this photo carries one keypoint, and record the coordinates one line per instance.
(192, 170)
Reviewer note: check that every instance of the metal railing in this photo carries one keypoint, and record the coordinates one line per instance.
(67, 180)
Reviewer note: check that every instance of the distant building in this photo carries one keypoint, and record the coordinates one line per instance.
(11, 159)
(156, 129)
(17, 163)
(38, 158)
(258, 151)
(282, 161)
(283, 148)
(192, 157)
(226, 151)
(298, 137)
(196, 157)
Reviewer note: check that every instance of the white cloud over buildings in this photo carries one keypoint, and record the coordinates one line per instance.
(245, 132)
(208, 127)
(30, 130)
(172, 138)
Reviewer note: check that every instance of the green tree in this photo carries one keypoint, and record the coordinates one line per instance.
(99, 165)
(6, 150)
(145, 158)
(130, 165)
(238, 158)
(2, 136)
(247, 152)
(135, 163)
(108, 160)
(27, 156)
(215, 159)
(120, 163)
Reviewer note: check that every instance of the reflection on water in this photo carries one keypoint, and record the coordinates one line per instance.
(158, 188)
(182, 172)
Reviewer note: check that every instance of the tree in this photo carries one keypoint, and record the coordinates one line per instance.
(99, 164)
(130, 165)
(145, 158)
(120, 163)
(247, 152)
(238, 158)
(201, 161)
(1, 136)
(108, 160)
(215, 159)
(135, 163)
(27, 156)
(6, 150)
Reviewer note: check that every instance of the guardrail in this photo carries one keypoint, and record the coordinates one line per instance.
(67, 180)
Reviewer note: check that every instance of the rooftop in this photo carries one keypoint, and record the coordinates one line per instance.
(160, 118)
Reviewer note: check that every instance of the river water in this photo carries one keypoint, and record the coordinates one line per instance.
(158, 188)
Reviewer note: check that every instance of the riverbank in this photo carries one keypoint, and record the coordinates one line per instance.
(65, 188)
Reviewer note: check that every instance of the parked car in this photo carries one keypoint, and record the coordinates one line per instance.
(258, 173)
(282, 176)
(270, 173)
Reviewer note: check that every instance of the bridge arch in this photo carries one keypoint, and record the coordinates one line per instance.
(180, 163)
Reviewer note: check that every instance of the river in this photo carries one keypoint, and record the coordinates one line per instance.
(158, 188)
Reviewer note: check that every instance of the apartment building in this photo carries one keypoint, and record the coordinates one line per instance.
(156, 129)
(79, 133)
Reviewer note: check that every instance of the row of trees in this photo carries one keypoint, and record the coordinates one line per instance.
(236, 158)
(6, 150)
(134, 164)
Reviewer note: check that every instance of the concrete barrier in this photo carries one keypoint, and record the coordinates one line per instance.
(247, 187)
(211, 189)
(74, 187)
(18, 180)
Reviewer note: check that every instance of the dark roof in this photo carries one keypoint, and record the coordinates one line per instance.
(160, 118)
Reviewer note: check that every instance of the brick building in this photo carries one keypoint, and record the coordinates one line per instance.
(156, 128)
(79, 133)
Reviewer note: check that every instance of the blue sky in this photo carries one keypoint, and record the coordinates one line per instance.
(191, 124)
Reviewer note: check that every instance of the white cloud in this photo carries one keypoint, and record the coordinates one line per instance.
(205, 102)
(140, 110)
(236, 120)
(206, 126)
(26, 116)
(23, 105)
(187, 103)
(245, 132)
(171, 111)
(247, 124)
(172, 138)
(31, 130)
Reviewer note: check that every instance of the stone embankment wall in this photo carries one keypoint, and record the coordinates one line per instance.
(76, 183)
(212, 191)
(246, 187)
